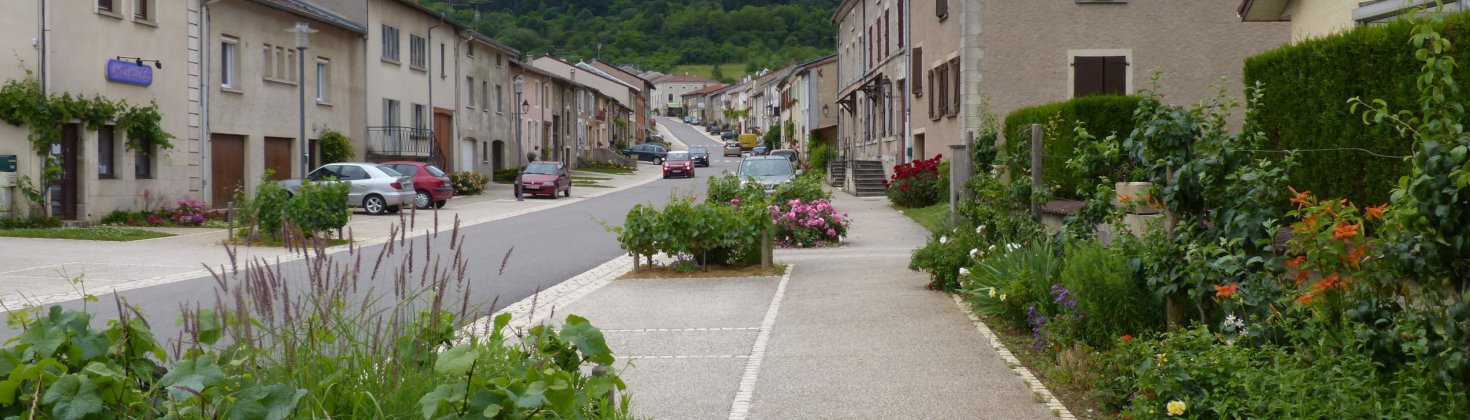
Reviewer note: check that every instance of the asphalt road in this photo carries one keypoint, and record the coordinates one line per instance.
(537, 250)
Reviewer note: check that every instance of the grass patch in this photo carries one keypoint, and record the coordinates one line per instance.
(930, 217)
(715, 271)
(94, 233)
(609, 170)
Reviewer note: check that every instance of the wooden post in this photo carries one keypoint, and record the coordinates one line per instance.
(765, 248)
(960, 171)
(1036, 167)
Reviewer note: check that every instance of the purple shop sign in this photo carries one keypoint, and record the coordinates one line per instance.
(129, 72)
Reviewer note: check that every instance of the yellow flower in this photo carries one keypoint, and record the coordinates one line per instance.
(992, 293)
(1176, 408)
(1002, 297)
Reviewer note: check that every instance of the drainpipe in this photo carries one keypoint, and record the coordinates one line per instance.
(429, 73)
(205, 154)
(42, 44)
(458, 105)
(908, 65)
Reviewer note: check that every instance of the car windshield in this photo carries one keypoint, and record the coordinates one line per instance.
(678, 156)
(698, 150)
(541, 169)
(434, 170)
(765, 167)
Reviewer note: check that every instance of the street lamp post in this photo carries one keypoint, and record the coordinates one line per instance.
(520, 153)
(302, 31)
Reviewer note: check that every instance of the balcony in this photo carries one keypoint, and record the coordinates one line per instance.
(401, 143)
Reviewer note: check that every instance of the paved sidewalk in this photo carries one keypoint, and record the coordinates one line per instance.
(35, 270)
(848, 333)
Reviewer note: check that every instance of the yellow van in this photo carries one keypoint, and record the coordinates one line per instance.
(748, 141)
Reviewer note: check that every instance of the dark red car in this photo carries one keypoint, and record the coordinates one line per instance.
(431, 184)
(679, 163)
(546, 178)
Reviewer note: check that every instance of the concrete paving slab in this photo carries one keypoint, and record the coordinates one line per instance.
(690, 389)
(636, 344)
(677, 303)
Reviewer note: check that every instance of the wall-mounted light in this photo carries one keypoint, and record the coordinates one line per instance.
(826, 111)
(525, 107)
(139, 61)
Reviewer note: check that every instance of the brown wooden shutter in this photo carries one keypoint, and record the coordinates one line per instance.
(954, 86)
(932, 114)
(1115, 75)
(915, 64)
(900, 23)
(1087, 76)
(887, 40)
(941, 9)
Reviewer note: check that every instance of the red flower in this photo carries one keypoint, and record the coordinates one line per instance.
(1126, 338)
(1296, 262)
(1226, 291)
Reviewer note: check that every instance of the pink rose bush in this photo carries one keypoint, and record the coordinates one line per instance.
(801, 225)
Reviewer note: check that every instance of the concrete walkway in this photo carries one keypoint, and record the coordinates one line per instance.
(848, 333)
(35, 270)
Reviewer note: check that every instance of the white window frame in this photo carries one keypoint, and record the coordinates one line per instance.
(323, 80)
(144, 12)
(418, 49)
(391, 45)
(391, 113)
(499, 100)
(229, 76)
(469, 90)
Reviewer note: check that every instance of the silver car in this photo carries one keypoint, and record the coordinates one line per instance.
(769, 171)
(376, 188)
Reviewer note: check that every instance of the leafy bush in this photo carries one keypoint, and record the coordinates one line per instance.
(722, 189)
(807, 188)
(473, 183)
(319, 207)
(187, 212)
(28, 223)
(710, 232)
(1013, 281)
(267, 209)
(1107, 291)
(335, 147)
(807, 224)
(1101, 114)
(915, 184)
(505, 176)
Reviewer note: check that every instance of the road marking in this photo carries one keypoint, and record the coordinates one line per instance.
(538, 307)
(740, 408)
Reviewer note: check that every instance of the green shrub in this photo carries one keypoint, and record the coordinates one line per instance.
(819, 156)
(29, 223)
(722, 189)
(268, 206)
(1009, 279)
(709, 232)
(473, 183)
(319, 207)
(1102, 115)
(505, 176)
(807, 188)
(1307, 87)
(335, 147)
(1109, 294)
(941, 184)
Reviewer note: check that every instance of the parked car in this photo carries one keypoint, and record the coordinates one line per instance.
(431, 185)
(789, 154)
(769, 171)
(376, 188)
(758, 151)
(545, 178)
(700, 155)
(712, 128)
(732, 148)
(652, 152)
(728, 135)
(679, 163)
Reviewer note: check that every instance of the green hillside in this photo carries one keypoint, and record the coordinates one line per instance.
(657, 34)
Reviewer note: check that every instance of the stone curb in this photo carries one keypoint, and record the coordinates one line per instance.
(1015, 364)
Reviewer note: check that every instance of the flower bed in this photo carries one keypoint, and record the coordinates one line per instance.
(916, 184)
(804, 225)
(187, 212)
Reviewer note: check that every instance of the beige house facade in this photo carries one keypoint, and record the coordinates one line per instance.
(669, 90)
(808, 95)
(486, 103)
(121, 50)
(254, 88)
(872, 73)
(1317, 18)
(638, 122)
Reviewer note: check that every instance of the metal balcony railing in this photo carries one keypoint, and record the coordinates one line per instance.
(401, 142)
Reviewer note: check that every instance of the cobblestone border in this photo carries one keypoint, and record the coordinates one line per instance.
(1015, 364)
(538, 307)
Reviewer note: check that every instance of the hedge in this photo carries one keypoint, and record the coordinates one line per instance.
(1307, 87)
(1102, 115)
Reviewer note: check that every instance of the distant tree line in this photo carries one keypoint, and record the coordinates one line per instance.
(656, 34)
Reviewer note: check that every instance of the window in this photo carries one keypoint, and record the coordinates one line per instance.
(954, 86)
(469, 91)
(323, 79)
(1099, 76)
(941, 9)
(279, 63)
(105, 144)
(499, 100)
(916, 62)
(469, 50)
(420, 121)
(143, 160)
(390, 43)
(498, 60)
(887, 41)
(443, 72)
(416, 52)
(390, 113)
(229, 62)
(485, 96)
(143, 10)
(900, 23)
(105, 6)
(485, 152)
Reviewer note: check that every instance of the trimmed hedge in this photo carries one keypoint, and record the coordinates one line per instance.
(1307, 87)
(1103, 115)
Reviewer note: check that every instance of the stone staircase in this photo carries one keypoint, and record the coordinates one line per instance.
(837, 169)
(868, 177)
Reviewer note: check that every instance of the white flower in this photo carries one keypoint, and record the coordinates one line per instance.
(974, 252)
(980, 229)
(992, 293)
(992, 247)
(964, 271)
(1013, 246)
(943, 239)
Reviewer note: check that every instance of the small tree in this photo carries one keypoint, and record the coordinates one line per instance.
(335, 147)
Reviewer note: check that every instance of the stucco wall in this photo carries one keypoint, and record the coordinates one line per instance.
(1027, 47)
(481, 126)
(399, 80)
(1318, 18)
(939, 41)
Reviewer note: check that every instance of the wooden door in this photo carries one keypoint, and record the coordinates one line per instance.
(443, 132)
(278, 157)
(226, 167)
(67, 205)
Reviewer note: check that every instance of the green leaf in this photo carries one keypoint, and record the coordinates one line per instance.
(588, 339)
(196, 374)
(429, 404)
(457, 361)
(491, 411)
(73, 397)
(273, 402)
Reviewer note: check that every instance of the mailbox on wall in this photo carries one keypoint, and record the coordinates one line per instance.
(7, 163)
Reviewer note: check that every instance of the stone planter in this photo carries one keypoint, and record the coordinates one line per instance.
(1135, 192)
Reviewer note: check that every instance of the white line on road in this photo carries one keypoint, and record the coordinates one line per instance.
(740, 408)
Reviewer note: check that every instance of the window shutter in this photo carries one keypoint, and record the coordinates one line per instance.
(954, 86)
(887, 41)
(931, 96)
(941, 9)
(900, 23)
(1115, 75)
(1087, 76)
(915, 63)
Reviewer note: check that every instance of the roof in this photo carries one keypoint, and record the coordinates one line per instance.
(598, 73)
(681, 78)
(591, 68)
(706, 89)
(606, 66)
(309, 11)
(1263, 10)
(493, 43)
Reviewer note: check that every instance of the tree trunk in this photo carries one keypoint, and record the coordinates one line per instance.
(1174, 311)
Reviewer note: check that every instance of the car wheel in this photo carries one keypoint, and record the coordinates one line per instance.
(658, 161)
(553, 194)
(568, 192)
(441, 203)
(374, 205)
(422, 200)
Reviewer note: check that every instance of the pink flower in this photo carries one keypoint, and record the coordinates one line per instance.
(735, 201)
(831, 232)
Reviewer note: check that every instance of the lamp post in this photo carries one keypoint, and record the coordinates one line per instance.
(302, 31)
(519, 83)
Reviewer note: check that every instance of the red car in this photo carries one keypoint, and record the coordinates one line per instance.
(679, 163)
(431, 184)
(546, 178)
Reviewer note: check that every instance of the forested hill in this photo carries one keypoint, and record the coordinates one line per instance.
(656, 34)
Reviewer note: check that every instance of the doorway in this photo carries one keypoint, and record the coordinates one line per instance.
(226, 167)
(278, 157)
(443, 130)
(66, 204)
(497, 156)
(919, 147)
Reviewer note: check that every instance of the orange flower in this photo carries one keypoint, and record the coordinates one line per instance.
(1357, 255)
(1304, 299)
(1299, 198)
(1311, 221)
(1124, 198)
(1296, 262)
(1126, 337)
(1301, 277)
(1329, 283)
(1376, 212)
(1226, 291)
(1343, 232)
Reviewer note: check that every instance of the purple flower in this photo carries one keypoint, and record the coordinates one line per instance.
(735, 201)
